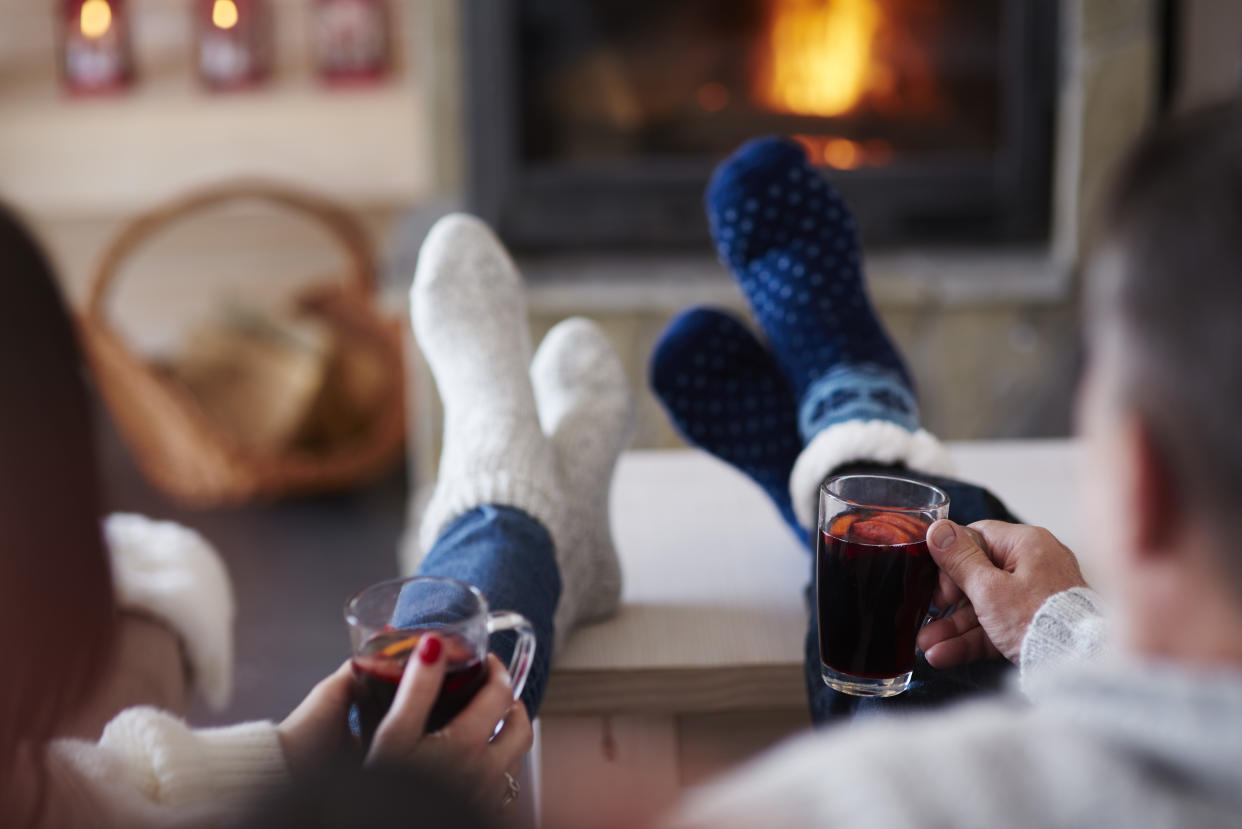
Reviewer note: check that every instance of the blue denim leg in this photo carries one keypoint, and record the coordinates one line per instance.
(510, 557)
(930, 687)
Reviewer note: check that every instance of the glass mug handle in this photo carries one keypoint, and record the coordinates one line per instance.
(524, 653)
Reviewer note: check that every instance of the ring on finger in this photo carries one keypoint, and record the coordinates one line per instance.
(512, 791)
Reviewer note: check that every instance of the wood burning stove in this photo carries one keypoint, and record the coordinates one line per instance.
(597, 122)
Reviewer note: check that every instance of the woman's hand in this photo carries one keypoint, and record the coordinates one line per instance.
(318, 727)
(466, 742)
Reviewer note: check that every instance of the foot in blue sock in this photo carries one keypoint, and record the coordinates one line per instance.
(792, 244)
(725, 394)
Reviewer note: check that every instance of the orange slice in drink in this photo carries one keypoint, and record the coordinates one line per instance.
(400, 647)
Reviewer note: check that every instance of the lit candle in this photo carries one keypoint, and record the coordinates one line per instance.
(95, 51)
(234, 43)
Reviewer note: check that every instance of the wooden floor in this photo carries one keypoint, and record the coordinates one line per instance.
(293, 565)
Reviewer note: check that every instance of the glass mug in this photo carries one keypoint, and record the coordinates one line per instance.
(388, 620)
(874, 579)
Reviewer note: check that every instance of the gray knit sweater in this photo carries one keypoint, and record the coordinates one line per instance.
(1090, 740)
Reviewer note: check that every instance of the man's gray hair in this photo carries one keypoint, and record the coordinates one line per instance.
(1168, 271)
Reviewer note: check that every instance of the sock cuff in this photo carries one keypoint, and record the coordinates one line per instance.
(857, 391)
(878, 441)
(456, 496)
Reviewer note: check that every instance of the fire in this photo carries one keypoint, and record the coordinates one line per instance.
(224, 14)
(95, 18)
(817, 55)
(842, 154)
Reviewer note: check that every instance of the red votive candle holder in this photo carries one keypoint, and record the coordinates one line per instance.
(95, 49)
(234, 43)
(351, 40)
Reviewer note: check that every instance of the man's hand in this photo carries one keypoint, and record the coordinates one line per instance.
(997, 575)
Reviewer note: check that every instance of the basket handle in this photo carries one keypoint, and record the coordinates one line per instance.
(337, 221)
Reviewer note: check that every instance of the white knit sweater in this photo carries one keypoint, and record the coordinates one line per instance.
(1099, 742)
(149, 768)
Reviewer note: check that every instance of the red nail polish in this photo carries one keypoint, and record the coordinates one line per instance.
(429, 650)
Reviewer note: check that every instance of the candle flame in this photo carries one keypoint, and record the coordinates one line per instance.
(95, 18)
(817, 55)
(224, 14)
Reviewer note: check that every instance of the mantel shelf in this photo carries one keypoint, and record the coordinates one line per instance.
(66, 157)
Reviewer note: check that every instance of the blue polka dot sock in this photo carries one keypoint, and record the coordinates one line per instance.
(792, 244)
(725, 394)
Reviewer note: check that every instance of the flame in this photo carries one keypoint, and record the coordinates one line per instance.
(817, 55)
(842, 153)
(224, 14)
(95, 18)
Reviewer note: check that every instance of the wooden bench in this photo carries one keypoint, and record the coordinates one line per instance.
(702, 665)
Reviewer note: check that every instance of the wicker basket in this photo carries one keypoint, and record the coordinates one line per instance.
(179, 448)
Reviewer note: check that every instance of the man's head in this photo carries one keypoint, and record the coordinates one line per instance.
(1161, 406)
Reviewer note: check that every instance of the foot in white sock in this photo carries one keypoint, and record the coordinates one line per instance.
(469, 316)
(586, 408)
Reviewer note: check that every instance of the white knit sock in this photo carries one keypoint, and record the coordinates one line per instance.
(586, 408)
(469, 316)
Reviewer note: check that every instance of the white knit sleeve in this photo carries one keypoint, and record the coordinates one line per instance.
(1069, 627)
(173, 574)
(175, 766)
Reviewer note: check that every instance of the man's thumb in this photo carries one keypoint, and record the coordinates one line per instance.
(957, 553)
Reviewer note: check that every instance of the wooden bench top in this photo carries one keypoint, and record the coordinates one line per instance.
(712, 615)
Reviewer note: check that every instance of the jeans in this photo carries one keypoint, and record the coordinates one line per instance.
(511, 558)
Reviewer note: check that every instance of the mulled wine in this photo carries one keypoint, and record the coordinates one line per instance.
(875, 580)
(381, 662)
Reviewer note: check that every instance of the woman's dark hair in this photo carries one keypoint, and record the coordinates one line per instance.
(1172, 289)
(56, 604)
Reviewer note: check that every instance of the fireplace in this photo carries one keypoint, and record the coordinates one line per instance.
(595, 123)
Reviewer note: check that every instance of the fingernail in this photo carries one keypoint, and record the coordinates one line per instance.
(429, 650)
(944, 535)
